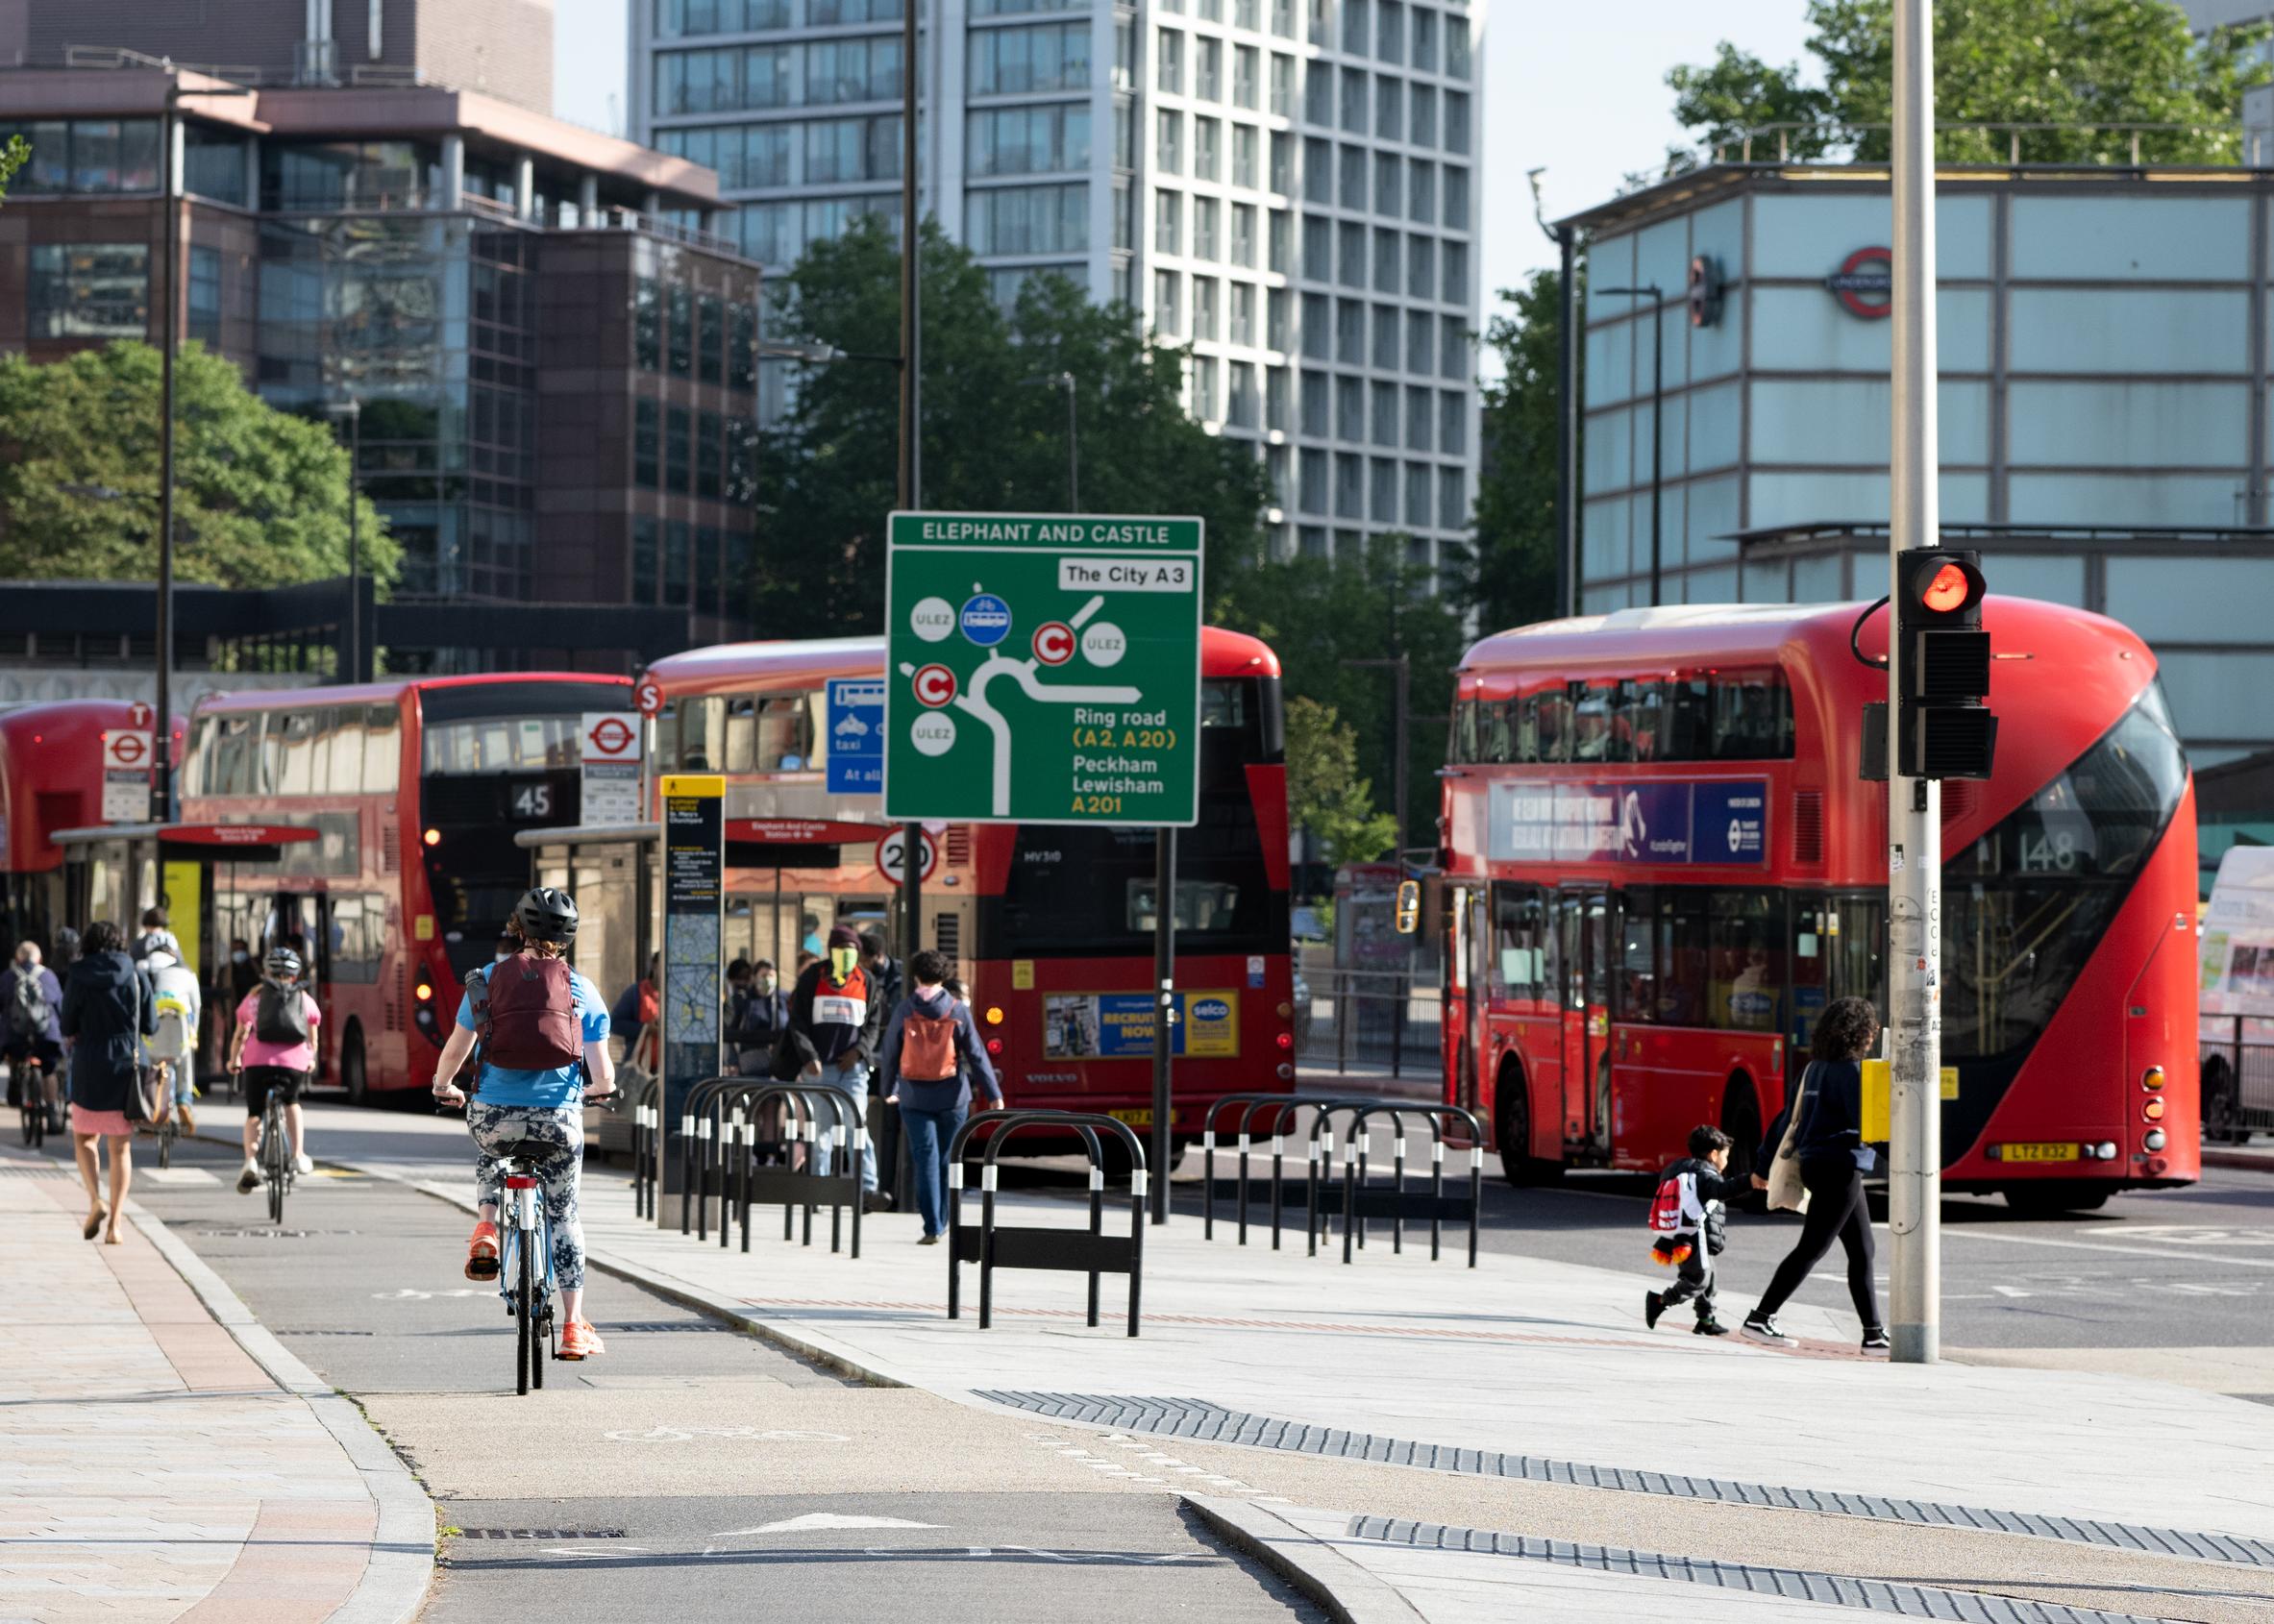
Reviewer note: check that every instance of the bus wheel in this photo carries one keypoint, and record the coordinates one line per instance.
(1740, 1120)
(2047, 1197)
(353, 1076)
(1512, 1116)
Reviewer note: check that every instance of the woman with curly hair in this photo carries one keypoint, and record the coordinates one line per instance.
(1827, 1140)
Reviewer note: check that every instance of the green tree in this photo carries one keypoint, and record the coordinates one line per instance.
(1325, 793)
(14, 154)
(1369, 607)
(2083, 65)
(994, 424)
(1515, 495)
(260, 496)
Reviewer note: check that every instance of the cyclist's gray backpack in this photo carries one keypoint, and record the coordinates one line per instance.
(173, 1038)
(27, 1010)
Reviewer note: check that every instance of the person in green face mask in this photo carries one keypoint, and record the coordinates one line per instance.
(838, 1012)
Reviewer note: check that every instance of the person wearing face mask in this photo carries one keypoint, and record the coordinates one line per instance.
(243, 974)
(757, 1013)
(836, 1019)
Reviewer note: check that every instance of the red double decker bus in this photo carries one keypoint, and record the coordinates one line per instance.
(51, 780)
(415, 789)
(1051, 925)
(1662, 867)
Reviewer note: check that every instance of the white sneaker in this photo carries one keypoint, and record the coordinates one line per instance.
(302, 1165)
(249, 1179)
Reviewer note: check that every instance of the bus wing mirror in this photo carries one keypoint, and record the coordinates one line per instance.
(1409, 906)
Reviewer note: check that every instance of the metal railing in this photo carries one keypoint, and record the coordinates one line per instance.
(1357, 1022)
(1751, 145)
(2238, 1079)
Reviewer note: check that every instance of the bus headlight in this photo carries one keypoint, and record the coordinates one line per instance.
(2152, 1079)
(2154, 1138)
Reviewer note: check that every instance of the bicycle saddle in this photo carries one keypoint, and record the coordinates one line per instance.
(524, 1150)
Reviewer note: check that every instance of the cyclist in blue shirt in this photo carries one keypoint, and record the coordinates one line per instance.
(540, 1103)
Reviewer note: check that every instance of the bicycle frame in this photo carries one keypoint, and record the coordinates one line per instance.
(523, 1221)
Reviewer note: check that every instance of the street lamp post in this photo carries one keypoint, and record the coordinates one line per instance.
(352, 411)
(1652, 292)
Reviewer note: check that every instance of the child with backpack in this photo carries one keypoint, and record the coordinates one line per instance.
(1687, 1216)
(274, 1051)
(933, 1055)
(173, 1045)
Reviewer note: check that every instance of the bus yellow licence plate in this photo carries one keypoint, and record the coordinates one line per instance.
(1135, 1119)
(2037, 1154)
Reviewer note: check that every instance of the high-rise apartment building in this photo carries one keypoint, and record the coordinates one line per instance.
(1291, 191)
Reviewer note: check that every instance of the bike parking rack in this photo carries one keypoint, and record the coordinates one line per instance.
(1092, 1252)
(1362, 1201)
(1259, 1113)
(798, 1187)
(1324, 1198)
(646, 1119)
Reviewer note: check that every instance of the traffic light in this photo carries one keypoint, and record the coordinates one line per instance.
(1945, 728)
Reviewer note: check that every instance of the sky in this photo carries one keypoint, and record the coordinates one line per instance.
(1578, 87)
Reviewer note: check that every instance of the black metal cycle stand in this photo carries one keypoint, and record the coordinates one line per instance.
(1092, 1252)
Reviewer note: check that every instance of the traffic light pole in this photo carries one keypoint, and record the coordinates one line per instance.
(1914, 805)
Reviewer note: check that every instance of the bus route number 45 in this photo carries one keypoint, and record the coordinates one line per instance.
(533, 801)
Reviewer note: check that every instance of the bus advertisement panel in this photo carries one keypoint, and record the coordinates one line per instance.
(1661, 865)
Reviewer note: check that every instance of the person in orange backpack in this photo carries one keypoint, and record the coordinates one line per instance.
(537, 1034)
(933, 1055)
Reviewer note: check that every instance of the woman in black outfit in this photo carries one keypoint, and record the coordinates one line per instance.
(1833, 1160)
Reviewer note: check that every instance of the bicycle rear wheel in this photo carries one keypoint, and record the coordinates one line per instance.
(276, 1157)
(524, 1323)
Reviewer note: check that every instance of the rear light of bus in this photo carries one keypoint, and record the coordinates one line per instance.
(2151, 1110)
(1287, 1040)
(994, 1015)
(1287, 1012)
(2154, 1138)
(423, 991)
(434, 837)
(1286, 1072)
(994, 1046)
(2156, 1167)
(2152, 1079)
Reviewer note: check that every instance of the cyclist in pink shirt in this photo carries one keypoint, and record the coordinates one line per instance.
(275, 1049)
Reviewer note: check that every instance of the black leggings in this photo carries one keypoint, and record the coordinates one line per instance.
(1835, 1206)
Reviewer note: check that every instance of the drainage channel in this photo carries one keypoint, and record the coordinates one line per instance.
(1792, 1584)
(1207, 1422)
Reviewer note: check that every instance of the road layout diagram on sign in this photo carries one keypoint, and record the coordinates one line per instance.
(691, 979)
(1043, 670)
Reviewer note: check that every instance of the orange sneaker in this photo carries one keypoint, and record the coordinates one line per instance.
(580, 1340)
(481, 1252)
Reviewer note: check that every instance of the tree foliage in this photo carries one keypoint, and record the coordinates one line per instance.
(14, 152)
(995, 431)
(2083, 66)
(1320, 616)
(260, 496)
(1515, 493)
(1324, 792)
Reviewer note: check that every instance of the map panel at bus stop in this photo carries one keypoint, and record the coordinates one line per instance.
(1653, 821)
(1043, 669)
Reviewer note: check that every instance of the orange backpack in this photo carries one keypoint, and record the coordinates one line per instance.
(927, 1045)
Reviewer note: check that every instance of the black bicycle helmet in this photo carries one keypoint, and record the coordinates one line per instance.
(546, 915)
(282, 963)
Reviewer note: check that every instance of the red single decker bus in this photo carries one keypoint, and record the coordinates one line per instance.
(1051, 925)
(415, 788)
(1662, 867)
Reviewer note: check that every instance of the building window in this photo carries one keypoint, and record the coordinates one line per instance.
(1283, 163)
(1204, 309)
(1278, 397)
(1242, 408)
(839, 71)
(1456, 121)
(1282, 80)
(830, 14)
(647, 445)
(1390, 33)
(204, 296)
(1453, 348)
(1247, 155)
(1028, 141)
(213, 164)
(1019, 8)
(1421, 342)
(1456, 48)
(1421, 195)
(678, 450)
(1425, 40)
(647, 567)
(1385, 339)
(1385, 261)
(1203, 377)
(1420, 407)
(710, 456)
(1167, 72)
(676, 19)
(1389, 108)
(1318, 170)
(1029, 219)
(1456, 197)
(1240, 328)
(1124, 214)
(1207, 149)
(1209, 70)
(742, 348)
(1452, 500)
(1247, 77)
(1354, 101)
(706, 570)
(1247, 15)
(1452, 433)
(1125, 52)
(1244, 234)
(89, 291)
(1283, 18)
(1456, 273)
(1319, 95)
(682, 305)
(1168, 216)
(1351, 253)
(1168, 145)
(1312, 543)
(1356, 14)
(1350, 485)
(1349, 333)
(1385, 413)
(710, 339)
(1421, 267)
(92, 154)
(1013, 61)
(1279, 251)
(853, 149)
(1349, 409)
(1424, 116)
(1166, 320)
(1388, 168)
(1417, 495)
(1382, 506)
(677, 545)
(1317, 336)
(1317, 422)
(1352, 189)
(1205, 211)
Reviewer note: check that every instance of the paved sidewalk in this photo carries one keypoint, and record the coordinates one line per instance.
(1526, 1369)
(169, 1460)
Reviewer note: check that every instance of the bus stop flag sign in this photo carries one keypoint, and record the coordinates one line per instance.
(1043, 669)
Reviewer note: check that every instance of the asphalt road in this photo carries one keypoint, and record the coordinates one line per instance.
(691, 1472)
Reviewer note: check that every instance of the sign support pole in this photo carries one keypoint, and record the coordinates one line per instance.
(1164, 976)
(1915, 810)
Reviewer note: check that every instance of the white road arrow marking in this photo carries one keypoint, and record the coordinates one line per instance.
(821, 1519)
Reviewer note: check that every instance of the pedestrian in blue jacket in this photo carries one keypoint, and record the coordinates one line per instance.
(933, 1055)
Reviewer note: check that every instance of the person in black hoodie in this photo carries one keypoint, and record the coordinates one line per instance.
(108, 1009)
(836, 1022)
(1828, 1142)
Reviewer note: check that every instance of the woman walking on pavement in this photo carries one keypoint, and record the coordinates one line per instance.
(933, 1055)
(1820, 1136)
(107, 1010)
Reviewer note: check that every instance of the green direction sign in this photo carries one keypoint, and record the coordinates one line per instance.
(1042, 670)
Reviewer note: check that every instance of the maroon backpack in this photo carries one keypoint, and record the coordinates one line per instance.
(526, 1015)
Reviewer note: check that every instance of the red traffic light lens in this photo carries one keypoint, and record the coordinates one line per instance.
(1948, 590)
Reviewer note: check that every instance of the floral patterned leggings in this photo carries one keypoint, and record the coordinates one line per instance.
(563, 1127)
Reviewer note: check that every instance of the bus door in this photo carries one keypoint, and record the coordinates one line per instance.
(1583, 934)
(1469, 1031)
